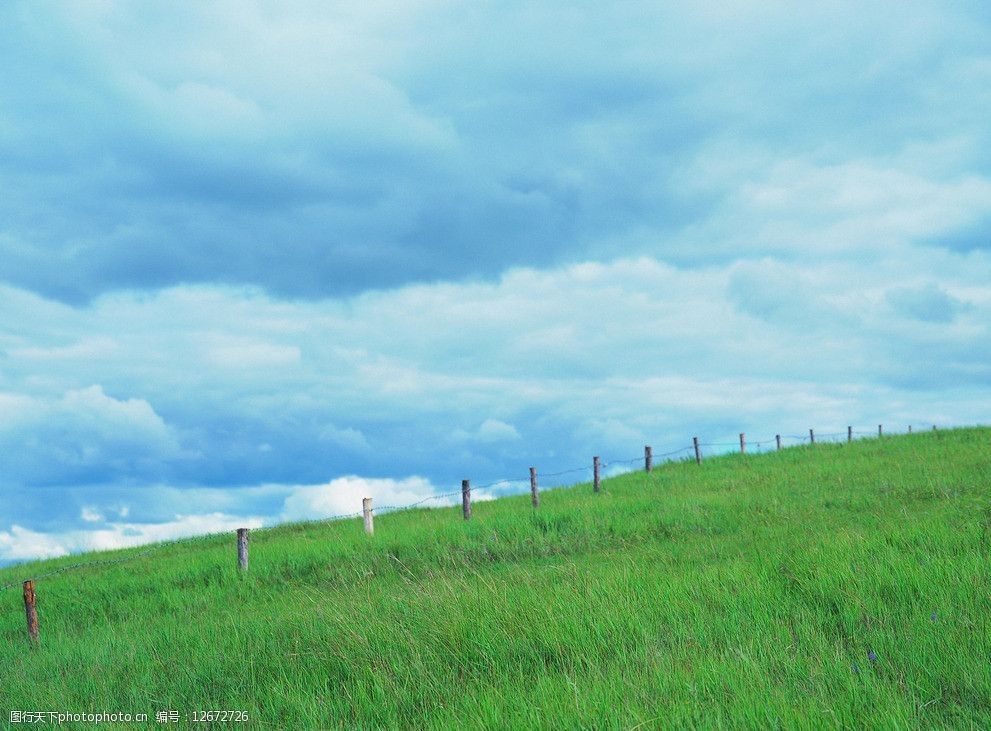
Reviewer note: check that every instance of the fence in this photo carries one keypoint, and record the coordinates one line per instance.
(694, 450)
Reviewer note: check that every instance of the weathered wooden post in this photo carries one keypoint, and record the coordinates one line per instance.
(31, 611)
(242, 549)
(909, 428)
(812, 437)
(366, 509)
(466, 499)
(698, 452)
(534, 495)
(849, 433)
(743, 443)
(777, 438)
(595, 474)
(880, 432)
(648, 459)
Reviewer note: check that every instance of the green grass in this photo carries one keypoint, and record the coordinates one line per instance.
(741, 594)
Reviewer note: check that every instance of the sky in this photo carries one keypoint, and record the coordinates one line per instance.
(259, 260)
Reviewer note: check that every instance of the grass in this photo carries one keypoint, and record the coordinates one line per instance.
(747, 593)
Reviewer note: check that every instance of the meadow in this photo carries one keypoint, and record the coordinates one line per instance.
(822, 586)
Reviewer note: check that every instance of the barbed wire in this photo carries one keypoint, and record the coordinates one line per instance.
(622, 461)
(394, 508)
(568, 472)
(385, 509)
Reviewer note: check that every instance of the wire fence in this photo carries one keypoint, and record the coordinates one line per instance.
(385, 509)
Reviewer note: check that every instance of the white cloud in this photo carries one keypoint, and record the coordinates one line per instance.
(91, 515)
(343, 496)
(862, 208)
(347, 438)
(491, 431)
(89, 407)
(19, 543)
(251, 354)
(82, 431)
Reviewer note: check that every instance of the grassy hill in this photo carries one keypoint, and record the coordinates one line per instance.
(750, 592)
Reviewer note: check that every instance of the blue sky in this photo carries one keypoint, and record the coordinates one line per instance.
(257, 262)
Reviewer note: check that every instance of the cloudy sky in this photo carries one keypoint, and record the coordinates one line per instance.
(258, 262)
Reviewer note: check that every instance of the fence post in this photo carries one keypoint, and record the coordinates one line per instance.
(880, 433)
(466, 499)
(812, 437)
(777, 438)
(31, 611)
(242, 549)
(934, 427)
(849, 433)
(533, 487)
(909, 428)
(595, 473)
(366, 509)
(698, 452)
(743, 443)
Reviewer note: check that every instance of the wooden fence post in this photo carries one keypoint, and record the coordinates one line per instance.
(777, 438)
(595, 474)
(909, 428)
(812, 437)
(743, 443)
(31, 611)
(698, 452)
(242, 549)
(466, 499)
(849, 433)
(648, 459)
(366, 509)
(880, 433)
(535, 496)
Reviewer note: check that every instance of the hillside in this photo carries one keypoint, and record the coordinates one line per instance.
(835, 585)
